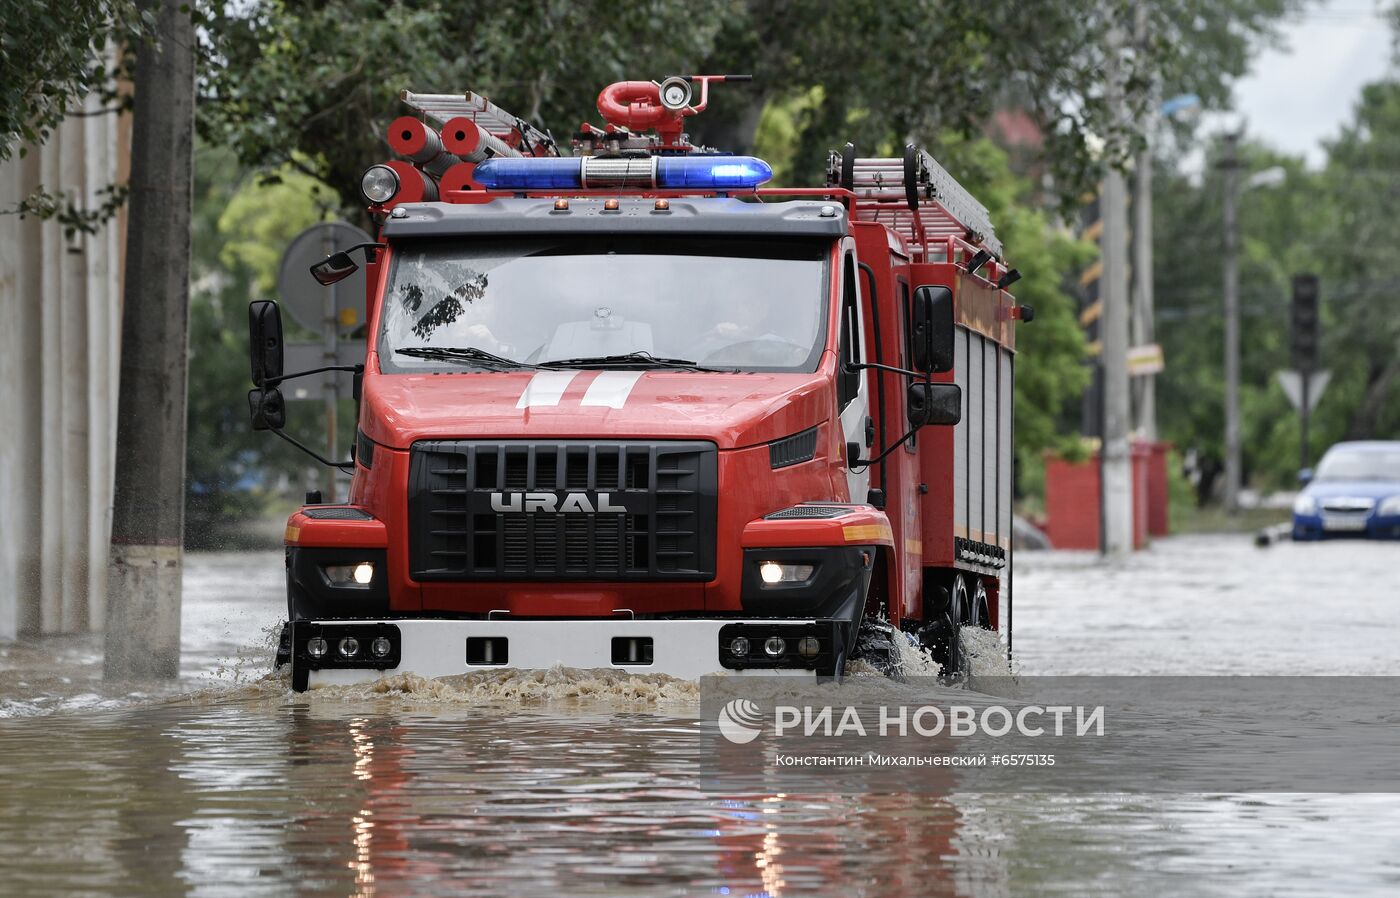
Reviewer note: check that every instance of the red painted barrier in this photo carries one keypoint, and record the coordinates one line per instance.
(1072, 498)
(1158, 492)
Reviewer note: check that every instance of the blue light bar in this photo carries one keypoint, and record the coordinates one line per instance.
(529, 174)
(712, 172)
(708, 172)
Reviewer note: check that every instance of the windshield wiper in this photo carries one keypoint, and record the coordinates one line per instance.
(638, 359)
(461, 354)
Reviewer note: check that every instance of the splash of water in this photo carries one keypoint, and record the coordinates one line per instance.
(521, 688)
(986, 653)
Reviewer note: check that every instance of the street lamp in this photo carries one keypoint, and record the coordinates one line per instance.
(1229, 165)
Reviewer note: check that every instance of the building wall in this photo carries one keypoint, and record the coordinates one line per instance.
(60, 301)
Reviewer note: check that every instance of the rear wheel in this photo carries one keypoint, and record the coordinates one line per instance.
(967, 605)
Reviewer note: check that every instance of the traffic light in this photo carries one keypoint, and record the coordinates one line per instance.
(1306, 326)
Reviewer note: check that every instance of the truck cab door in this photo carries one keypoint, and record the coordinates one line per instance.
(852, 389)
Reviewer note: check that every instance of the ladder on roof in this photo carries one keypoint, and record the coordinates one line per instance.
(914, 196)
(494, 119)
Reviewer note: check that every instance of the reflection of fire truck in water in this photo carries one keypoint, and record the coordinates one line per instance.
(625, 408)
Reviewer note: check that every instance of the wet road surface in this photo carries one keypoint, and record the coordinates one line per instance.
(572, 784)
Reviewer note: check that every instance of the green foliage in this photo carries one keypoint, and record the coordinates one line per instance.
(52, 55)
(1338, 223)
(1360, 236)
(886, 71)
(263, 218)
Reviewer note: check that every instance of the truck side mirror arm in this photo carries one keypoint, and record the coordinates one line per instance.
(339, 266)
(266, 406)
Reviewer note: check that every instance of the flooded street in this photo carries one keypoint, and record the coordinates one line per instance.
(574, 784)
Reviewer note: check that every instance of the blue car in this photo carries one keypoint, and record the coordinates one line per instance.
(1355, 492)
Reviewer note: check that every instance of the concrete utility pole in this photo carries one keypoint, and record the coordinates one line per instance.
(1229, 166)
(1143, 314)
(1116, 454)
(143, 612)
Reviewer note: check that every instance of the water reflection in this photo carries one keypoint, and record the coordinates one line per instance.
(266, 794)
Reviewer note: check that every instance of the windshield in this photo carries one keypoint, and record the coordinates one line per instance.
(1358, 465)
(750, 305)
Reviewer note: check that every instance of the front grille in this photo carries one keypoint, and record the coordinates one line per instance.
(562, 510)
(1347, 505)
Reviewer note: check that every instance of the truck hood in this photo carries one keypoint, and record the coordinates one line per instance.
(733, 410)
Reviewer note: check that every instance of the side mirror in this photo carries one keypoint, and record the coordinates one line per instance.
(933, 329)
(265, 340)
(333, 268)
(267, 409)
(934, 404)
(1305, 476)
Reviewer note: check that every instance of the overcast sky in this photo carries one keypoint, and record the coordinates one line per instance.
(1303, 92)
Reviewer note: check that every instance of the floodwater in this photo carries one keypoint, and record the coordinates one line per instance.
(566, 783)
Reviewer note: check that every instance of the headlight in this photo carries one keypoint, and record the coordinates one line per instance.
(1389, 506)
(357, 576)
(774, 572)
(379, 183)
(1305, 504)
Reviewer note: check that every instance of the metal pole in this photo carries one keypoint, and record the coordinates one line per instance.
(1117, 483)
(1305, 414)
(1143, 314)
(1143, 328)
(329, 386)
(1229, 169)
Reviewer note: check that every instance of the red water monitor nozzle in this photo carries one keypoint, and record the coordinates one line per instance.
(660, 106)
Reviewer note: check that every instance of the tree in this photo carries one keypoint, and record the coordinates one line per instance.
(52, 56)
(143, 614)
(888, 72)
(1361, 239)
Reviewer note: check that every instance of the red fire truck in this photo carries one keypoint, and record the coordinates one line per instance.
(623, 407)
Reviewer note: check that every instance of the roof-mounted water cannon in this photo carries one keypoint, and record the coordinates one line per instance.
(633, 106)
